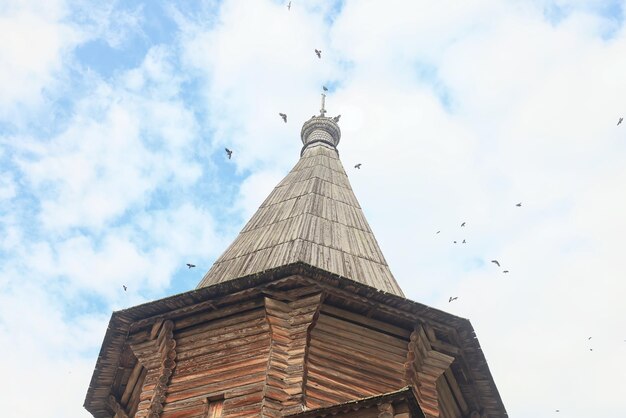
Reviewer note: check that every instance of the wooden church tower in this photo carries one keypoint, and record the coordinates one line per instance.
(300, 317)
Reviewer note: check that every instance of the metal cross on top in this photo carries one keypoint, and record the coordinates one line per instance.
(322, 110)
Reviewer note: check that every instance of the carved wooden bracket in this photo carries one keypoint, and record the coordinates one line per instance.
(158, 355)
(290, 323)
(424, 366)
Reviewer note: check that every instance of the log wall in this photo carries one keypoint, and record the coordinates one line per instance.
(219, 365)
(348, 360)
(277, 353)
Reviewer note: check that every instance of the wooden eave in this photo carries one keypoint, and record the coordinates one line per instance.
(392, 306)
(404, 394)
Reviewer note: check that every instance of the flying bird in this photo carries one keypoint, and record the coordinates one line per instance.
(324, 88)
(505, 271)
(284, 116)
(620, 121)
(463, 224)
(289, 6)
(437, 232)
(124, 286)
(452, 298)
(495, 262)
(589, 338)
(190, 265)
(358, 166)
(519, 205)
(454, 242)
(318, 53)
(229, 153)
(464, 242)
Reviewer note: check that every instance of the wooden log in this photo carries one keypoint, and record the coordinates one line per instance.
(424, 366)
(290, 323)
(115, 407)
(131, 382)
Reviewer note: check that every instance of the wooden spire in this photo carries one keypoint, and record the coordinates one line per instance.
(313, 217)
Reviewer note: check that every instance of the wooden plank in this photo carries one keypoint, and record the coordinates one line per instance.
(354, 331)
(369, 322)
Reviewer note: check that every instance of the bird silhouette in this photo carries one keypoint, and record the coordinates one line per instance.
(324, 88)
(589, 338)
(452, 298)
(505, 271)
(289, 6)
(284, 116)
(190, 265)
(620, 121)
(463, 224)
(437, 232)
(318, 53)
(358, 166)
(229, 153)
(463, 242)
(125, 288)
(519, 205)
(495, 262)
(454, 242)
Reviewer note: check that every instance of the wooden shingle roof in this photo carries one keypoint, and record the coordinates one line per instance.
(312, 217)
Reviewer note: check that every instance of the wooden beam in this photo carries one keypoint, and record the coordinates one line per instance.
(290, 324)
(423, 367)
(158, 353)
(116, 408)
(132, 381)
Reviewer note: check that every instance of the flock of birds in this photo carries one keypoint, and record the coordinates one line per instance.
(496, 262)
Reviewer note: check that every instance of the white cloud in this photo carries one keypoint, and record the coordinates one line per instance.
(44, 347)
(105, 200)
(458, 112)
(119, 148)
(7, 187)
(35, 41)
(251, 81)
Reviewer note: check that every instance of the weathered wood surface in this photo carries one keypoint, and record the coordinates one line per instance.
(397, 404)
(424, 367)
(117, 409)
(221, 357)
(158, 356)
(212, 353)
(290, 324)
(356, 349)
(350, 361)
(313, 217)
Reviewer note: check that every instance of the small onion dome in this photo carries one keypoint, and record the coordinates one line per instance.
(320, 129)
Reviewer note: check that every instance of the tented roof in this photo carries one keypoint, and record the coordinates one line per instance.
(313, 217)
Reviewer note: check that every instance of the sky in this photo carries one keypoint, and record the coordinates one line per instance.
(113, 123)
